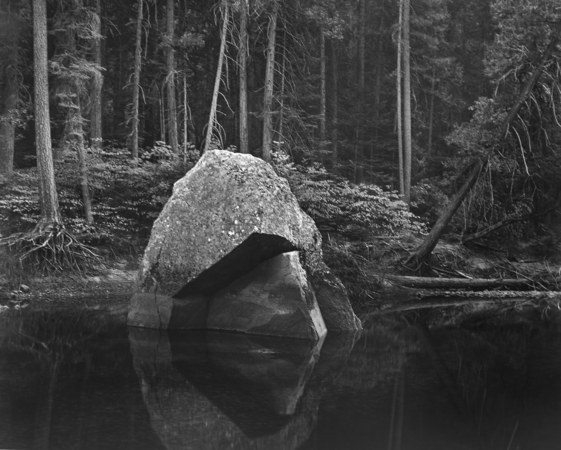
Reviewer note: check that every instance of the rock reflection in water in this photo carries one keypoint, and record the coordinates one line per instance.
(224, 390)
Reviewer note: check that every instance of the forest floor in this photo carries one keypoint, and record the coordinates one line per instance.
(365, 267)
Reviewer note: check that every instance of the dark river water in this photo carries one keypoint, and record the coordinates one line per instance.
(73, 380)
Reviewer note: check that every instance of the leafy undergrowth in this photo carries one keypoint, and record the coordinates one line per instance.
(126, 198)
(367, 232)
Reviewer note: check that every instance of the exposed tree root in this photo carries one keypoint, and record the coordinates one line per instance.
(50, 247)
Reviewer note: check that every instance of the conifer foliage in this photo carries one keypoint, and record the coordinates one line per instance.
(366, 97)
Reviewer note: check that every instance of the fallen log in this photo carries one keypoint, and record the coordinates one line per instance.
(457, 283)
(439, 299)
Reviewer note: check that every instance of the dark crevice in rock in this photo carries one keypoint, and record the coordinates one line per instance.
(257, 248)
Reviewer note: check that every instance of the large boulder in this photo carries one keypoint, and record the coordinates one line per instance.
(215, 242)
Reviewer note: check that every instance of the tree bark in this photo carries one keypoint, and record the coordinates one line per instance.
(323, 92)
(217, 80)
(269, 82)
(280, 131)
(425, 249)
(399, 109)
(7, 122)
(406, 104)
(71, 91)
(77, 136)
(185, 119)
(136, 80)
(244, 133)
(170, 66)
(431, 113)
(96, 132)
(362, 51)
(334, 105)
(379, 75)
(50, 212)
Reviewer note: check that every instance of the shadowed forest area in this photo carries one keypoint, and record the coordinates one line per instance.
(389, 118)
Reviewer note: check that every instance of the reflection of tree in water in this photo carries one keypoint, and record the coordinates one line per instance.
(46, 342)
(57, 367)
(485, 386)
(486, 371)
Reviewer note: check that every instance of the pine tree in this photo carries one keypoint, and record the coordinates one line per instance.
(269, 83)
(135, 114)
(170, 79)
(50, 212)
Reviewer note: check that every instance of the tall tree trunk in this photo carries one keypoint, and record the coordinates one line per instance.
(74, 121)
(399, 110)
(7, 122)
(244, 133)
(362, 51)
(50, 213)
(406, 104)
(359, 132)
(379, 74)
(280, 133)
(185, 119)
(162, 105)
(334, 105)
(170, 66)
(136, 80)
(77, 136)
(431, 114)
(96, 133)
(269, 82)
(323, 92)
(217, 80)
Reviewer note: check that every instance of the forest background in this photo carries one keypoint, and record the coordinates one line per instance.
(377, 111)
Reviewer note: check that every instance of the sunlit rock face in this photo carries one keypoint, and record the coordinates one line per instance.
(215, 243)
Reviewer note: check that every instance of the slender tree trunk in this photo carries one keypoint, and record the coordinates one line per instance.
(74, 123)
(359, 133)
(323, 92)
(170, 65)
(47, 188)
(77, 136)
(185, 119)
(136, 80)
(269, 82)
(431, 114)
(217, 80)
(334, 105)
(399, 111)
(96, 133)
(162, 114)
(420, 255)
(362, 51)
(7, 123)
(244, 133)
(280, 134)
(406, 104)
(379, 73)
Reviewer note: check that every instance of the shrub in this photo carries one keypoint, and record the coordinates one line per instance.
(354, 210)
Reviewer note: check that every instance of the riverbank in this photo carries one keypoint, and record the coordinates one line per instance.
(367, 269)
(366, 263)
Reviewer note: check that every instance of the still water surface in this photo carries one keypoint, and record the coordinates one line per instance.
(85, 381)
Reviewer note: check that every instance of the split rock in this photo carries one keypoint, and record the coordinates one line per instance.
(227, 216)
